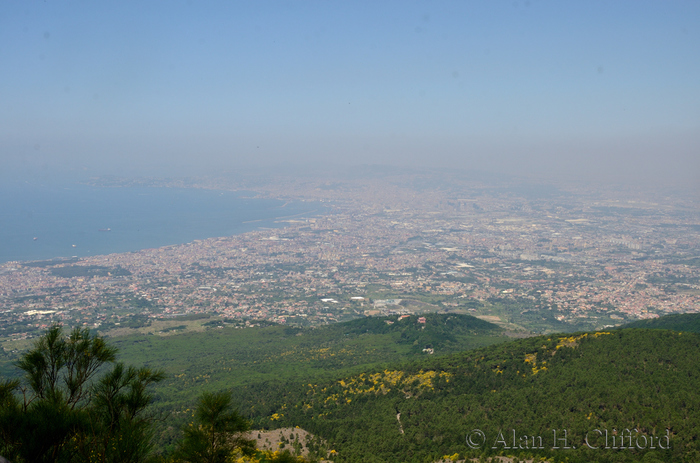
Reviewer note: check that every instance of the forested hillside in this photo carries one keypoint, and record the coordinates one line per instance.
(227, 357)
(371, 391)
(689, 322)
(636, 385)
(270, 360)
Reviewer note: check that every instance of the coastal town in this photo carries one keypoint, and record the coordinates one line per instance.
(531, 260)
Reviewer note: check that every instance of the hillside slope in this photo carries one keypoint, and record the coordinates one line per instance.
(689, 322)
(265, 362)
(588, 383)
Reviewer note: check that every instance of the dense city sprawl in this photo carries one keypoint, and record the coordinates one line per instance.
(535, 259)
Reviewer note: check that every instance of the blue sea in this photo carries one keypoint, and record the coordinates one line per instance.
(39, 222)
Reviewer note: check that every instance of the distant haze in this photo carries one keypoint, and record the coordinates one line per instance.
(604, 91)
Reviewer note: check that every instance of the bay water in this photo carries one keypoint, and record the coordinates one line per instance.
(40, 222)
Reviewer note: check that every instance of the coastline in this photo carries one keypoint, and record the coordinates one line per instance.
(68, 221)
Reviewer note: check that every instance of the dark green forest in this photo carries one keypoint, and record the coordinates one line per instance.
(370, 391)
(637, 380)
(689, 322)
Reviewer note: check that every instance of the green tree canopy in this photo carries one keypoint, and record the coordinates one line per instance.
(59, 411)
(216, 433)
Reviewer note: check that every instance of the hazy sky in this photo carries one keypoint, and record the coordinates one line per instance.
(581, 88)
